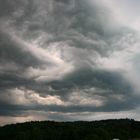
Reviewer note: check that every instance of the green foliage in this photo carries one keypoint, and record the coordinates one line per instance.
(123, 129)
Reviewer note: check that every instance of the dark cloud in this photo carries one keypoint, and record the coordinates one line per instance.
(9, 7)
(53, 55)
(11, 80)
(110, 106)
(10, 50)
(117, 93)
(94, 78)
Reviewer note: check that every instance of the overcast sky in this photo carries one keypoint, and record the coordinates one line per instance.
(69, 60)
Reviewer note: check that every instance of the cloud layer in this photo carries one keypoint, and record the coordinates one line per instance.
(67, 60)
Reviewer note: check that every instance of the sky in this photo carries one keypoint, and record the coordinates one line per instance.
(69, 60)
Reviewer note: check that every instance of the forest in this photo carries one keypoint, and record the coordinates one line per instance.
(122, 129)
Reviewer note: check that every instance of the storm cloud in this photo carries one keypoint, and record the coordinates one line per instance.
(67, 60)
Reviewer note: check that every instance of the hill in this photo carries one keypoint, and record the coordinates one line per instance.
(124, 129)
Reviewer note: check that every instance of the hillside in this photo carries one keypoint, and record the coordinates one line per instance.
(124, 129)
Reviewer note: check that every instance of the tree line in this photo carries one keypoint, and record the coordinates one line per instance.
(124, 129)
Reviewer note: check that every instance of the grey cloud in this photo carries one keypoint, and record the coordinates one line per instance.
(12, 81)
(10, 51)
(67, 23)
(98, 78)
(9, 7)
(111, 84)
(84, 33)
(111, 106)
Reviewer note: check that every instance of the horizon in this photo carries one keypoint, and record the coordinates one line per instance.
(40, 121)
